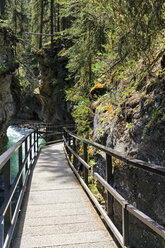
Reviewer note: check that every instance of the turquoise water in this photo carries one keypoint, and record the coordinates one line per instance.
(14, 135)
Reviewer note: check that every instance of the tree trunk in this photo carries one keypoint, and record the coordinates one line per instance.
(55, 17)
(58, 17)
(51, 25)
(41, 23)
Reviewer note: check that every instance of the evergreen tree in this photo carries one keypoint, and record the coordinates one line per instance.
(37, 22)
(41, 22)
(87, 33)
(46, 21)
(3, 9)
(52, 21)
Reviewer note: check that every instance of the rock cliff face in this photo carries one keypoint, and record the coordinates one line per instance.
(136, 128)
(7, 67)
(52, 83)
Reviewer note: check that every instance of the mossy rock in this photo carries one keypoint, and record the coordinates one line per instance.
(98, 90)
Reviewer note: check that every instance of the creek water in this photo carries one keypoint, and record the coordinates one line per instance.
(14, 135)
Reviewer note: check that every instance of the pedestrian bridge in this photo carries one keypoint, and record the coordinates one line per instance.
(56, 211)
(54, 206)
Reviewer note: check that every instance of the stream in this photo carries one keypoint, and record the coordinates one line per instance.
(14, 135)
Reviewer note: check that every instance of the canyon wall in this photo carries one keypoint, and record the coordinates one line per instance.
(7, 67)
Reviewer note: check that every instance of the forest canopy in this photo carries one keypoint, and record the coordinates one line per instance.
(104, 35)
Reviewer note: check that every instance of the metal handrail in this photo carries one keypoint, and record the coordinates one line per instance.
(7, 155)
(7, 218)
(134, 211)
(156, 169)
(70, 149)
(48, 130)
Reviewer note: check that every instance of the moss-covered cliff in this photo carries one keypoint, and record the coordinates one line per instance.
(7, 67)
(129, 116)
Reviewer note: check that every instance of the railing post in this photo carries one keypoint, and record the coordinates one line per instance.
(54, 129)
(86, 160)
(66, 138)
(74, 158)
(7, 182)
(109, 181)
(46, 134)
(34, 143)
(64, 135)
(26, 149)
(1, 231)
(20, 167)
(69, 143)
(125, 226)
(62, 131)
(30, 145)
(37, 140)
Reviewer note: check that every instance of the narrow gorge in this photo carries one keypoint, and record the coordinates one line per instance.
(99, 66)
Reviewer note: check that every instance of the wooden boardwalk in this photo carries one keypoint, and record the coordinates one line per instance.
(56, 212)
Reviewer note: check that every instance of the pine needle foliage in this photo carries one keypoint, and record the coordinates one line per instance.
(87, 36)
(106, 35)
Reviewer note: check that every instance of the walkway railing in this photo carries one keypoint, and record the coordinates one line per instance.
(51, 132)
(70, 141)
(28, 149)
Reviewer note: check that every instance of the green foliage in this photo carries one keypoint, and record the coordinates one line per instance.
(145, 130)
(96, 193)
(35, 22)
(111, 36)
(154, 112)
(82, 114)
(129, 125)
(137, 25)
(87, 35)
(55, 82)
(3, 69)
(108, 42)
(43, 8)
(18, 15)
